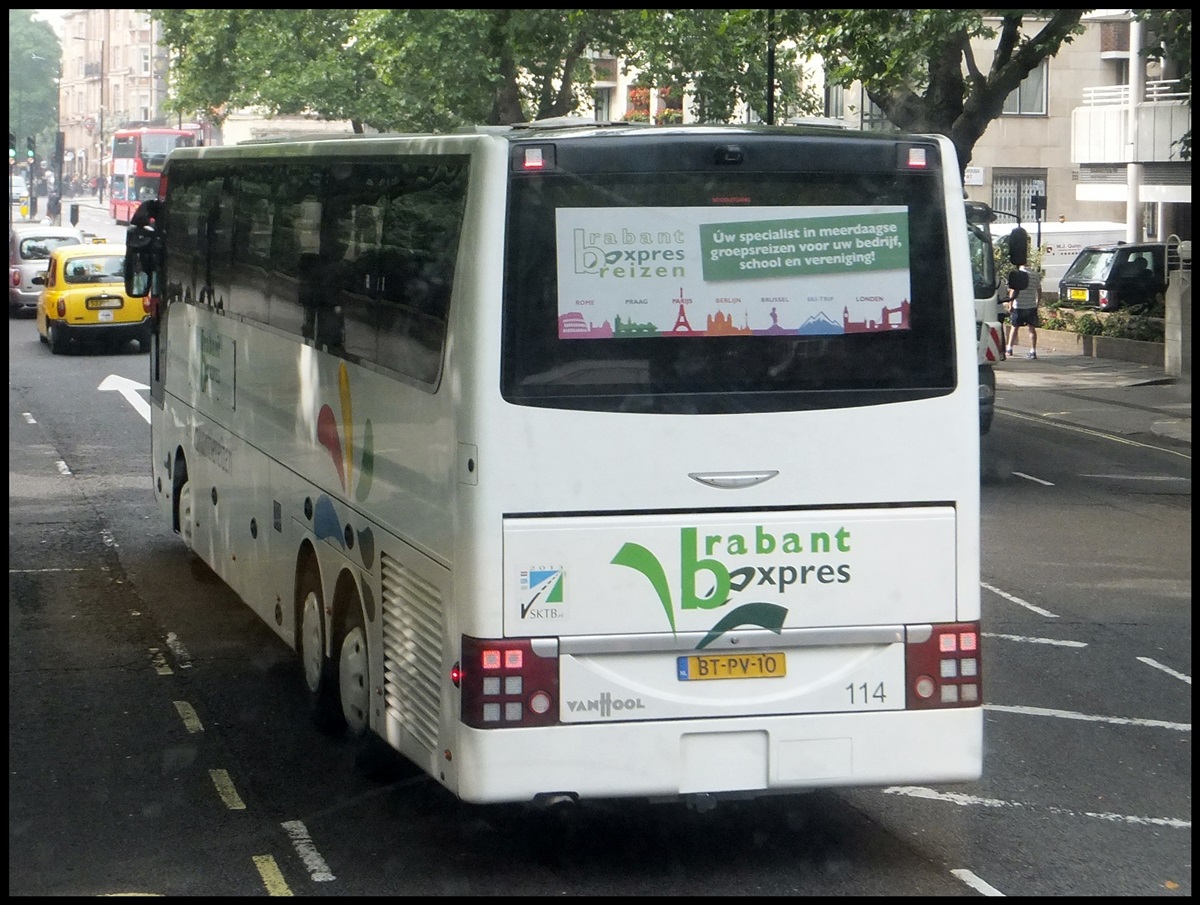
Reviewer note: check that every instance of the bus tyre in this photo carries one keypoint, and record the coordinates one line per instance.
(354, 685)
(320, 675)
(187, 515)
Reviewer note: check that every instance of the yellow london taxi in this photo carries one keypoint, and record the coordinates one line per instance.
(83, 300)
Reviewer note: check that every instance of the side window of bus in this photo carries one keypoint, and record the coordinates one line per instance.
(251, 271)
(418, 251)
(295, 237)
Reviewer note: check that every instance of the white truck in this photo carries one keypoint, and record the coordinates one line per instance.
(989, 329)
(1062, 242)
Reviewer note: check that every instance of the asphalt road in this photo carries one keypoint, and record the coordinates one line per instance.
(159, 745)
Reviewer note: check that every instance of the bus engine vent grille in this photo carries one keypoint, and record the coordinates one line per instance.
(412, 649)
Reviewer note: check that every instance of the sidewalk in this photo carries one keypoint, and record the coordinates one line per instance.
(1103, 394)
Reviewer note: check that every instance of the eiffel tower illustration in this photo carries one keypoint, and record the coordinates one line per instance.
(681, 322)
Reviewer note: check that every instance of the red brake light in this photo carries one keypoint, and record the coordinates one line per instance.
(508, 683)
(944, 668)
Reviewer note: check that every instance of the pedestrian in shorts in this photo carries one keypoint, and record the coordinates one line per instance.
(1023, 307)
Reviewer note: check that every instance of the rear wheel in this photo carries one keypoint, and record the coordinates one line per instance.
(354, 688)
(187, 515)
(57, 339)
(320, 677)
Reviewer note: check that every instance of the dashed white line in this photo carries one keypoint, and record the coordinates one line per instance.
(1090, 717)
(62, 467)
(1019, 601)
(1029, 477)
(980, 886)
(1170, 672)
(318, 870)
(29, 419)
(1027, 640)
(182, 657)
(188, 714)
(975, 801)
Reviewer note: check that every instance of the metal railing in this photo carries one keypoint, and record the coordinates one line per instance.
(1165, 91)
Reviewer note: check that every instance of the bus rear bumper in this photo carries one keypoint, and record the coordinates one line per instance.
(738, 757)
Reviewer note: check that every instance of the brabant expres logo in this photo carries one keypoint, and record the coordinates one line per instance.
(774, 571)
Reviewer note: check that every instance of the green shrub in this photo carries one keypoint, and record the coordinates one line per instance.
(1127, 325)
(1089, 325)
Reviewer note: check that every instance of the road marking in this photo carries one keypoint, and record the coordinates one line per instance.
(1091, 718)
(182, 657)
(1093, 433)
(975, 801)
(129, 389)
(107, 536)
(318, 870)
(62, 467)
(160, 663)
(188, 714)
(1028, 640)
(1029, 477)
(1019, 601)
(1166, 669)
(975, 883)
(272, 876)
(29, 419)
(38, 571)
(1135, 477)
(226, 790)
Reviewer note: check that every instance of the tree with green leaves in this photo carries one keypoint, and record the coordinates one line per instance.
(33, 70)
(389, 69)
(1170, 41)
(919, 66)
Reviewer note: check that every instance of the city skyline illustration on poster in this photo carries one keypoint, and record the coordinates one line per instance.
(732, 271)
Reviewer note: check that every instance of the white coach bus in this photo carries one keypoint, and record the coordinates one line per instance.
(588, 461)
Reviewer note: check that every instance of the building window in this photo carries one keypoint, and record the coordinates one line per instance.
(144, 108)
(1013, 191)
(873, 117)
(1029, 98)
(835, 101)
(145, 66)
(602, 98)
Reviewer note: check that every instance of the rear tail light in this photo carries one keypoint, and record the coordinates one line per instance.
(16, 276)
(508, 683)
(62, 307)
(1105, 298)
(943, 668)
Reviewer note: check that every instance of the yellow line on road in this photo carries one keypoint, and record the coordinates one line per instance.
(226, 790)
(272, 876)
(1092, 433)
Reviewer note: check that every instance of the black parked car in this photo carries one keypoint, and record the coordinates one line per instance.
(1125, 275)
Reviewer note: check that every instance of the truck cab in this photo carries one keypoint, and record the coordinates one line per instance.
(989, 330)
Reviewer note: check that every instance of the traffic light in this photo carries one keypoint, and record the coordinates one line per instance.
(1038, 203)
(30, 150)
(12, 146)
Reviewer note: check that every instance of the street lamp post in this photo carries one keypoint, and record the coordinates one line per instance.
(100, 180)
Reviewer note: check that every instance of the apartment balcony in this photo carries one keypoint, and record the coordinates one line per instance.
(1100, 127)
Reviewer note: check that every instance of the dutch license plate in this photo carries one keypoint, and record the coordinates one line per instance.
(98, 302)
(751, 665)
(1078, 295)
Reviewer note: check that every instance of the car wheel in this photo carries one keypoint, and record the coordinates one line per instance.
(320, 676)
(57, 340)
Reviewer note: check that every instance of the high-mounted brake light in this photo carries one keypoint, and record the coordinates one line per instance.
(534, 159)
(917, 159)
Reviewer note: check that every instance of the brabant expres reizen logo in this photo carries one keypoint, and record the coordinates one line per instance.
(712, 577)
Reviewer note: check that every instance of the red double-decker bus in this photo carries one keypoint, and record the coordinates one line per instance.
(138, 157)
